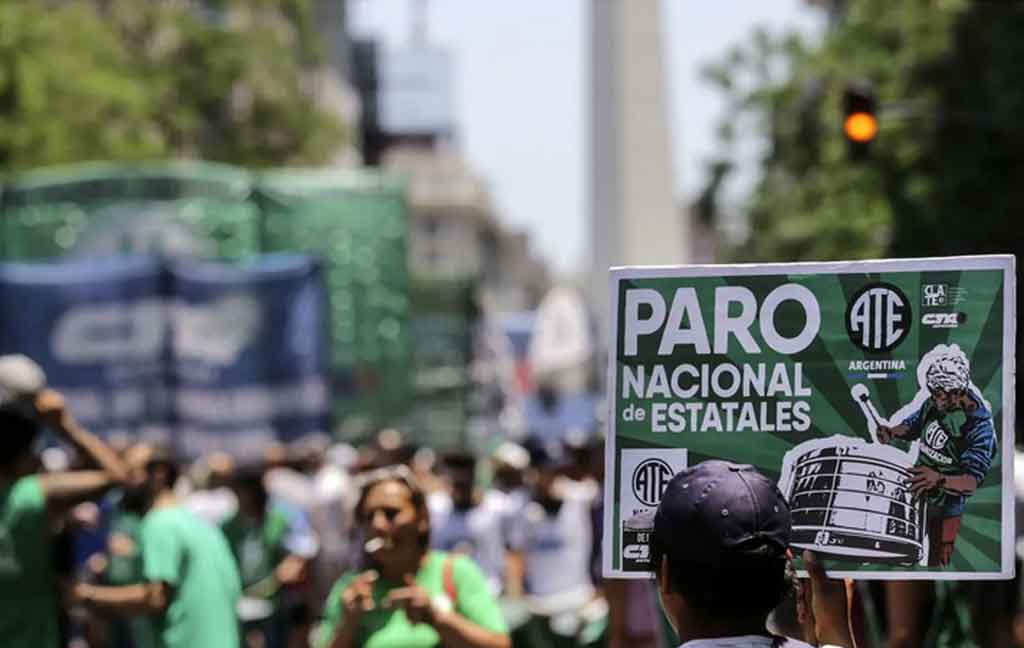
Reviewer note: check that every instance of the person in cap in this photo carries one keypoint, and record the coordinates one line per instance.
(190, 582)
(509, 464)
(28, 501)
(719, 552)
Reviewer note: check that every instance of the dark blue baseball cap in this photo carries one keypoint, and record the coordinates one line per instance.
(720, 513)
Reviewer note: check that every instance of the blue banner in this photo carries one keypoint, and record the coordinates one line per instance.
(207, 355)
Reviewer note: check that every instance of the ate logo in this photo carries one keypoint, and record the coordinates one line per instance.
(650, 479)
(935, 436)
(878, 317)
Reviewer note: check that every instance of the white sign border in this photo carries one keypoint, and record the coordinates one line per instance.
(1004, 262)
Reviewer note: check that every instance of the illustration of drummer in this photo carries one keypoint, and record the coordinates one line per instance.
(957, 444)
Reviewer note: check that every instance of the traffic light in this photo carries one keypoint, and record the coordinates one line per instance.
(860, 119)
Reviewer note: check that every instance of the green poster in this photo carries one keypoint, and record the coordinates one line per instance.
(879, 395)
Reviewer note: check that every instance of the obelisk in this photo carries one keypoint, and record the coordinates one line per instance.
(634, 217)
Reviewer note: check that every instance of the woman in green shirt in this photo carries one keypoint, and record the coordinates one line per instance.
(409, 597)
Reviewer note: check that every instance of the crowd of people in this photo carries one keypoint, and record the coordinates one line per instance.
(122, 544)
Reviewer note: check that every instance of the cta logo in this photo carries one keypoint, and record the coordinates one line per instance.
(943, 320)
(878, 318)
(933, 295)
(637, 552)
(650, 479)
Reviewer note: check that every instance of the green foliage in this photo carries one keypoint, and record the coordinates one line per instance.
(946, 172)
(949, 150)
(69, 91)
(234, 81)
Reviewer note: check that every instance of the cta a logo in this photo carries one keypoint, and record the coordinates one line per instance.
(650, 479)
(878, 317)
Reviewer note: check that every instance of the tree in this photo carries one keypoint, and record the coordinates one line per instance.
(69, 90)
(226, 80)
(944, 175)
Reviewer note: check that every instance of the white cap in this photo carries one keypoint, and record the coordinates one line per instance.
(20, 378)
(55, 460)
(512, 455)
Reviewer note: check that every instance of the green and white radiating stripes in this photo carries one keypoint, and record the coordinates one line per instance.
(826, 365)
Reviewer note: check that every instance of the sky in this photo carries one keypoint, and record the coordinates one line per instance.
(521, 88)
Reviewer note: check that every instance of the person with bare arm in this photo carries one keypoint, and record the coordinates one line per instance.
(719, 553)
(408, 596)
(190, 582)
(28, 588)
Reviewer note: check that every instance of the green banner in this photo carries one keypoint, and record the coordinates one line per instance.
(879, 395)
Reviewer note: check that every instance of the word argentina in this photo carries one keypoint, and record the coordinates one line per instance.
(765, 397)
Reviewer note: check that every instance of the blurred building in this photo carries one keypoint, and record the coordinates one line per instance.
(454, 234)
(466, 269)
(516, 278)
(407, 124)
(406, 96)
(331, 82)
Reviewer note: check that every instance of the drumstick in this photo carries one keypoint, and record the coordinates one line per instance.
(863, 399)
(871, 409)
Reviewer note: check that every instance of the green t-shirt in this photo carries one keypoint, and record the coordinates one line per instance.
(381, 628)
(940, 451)
(127, 570)
(28, 600)
(258, 546)
(194, 559)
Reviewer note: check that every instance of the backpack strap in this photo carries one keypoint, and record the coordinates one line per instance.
(448, 578)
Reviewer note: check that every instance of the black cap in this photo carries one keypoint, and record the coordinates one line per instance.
(721, 513)
(459, 460)
(545, 453)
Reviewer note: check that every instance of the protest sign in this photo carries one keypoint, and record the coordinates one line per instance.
(879, 395)
(204, 354)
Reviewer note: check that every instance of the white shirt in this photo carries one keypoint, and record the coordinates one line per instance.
(747, 641)
(477, 532)
(510, 506)
(331, 513)
(213, 506)
(556, 548)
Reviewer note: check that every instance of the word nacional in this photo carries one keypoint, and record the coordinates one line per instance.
(716, 396)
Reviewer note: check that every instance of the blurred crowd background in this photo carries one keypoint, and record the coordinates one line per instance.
(465, 174)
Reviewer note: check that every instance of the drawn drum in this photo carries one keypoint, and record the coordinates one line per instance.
(853, 502)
